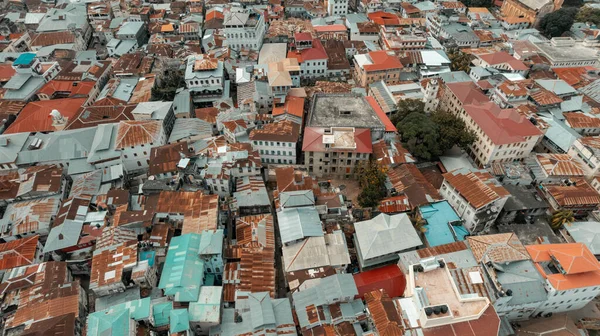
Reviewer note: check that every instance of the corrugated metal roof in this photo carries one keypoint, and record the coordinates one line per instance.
(183, 269)
(299, 223)
(18, 252)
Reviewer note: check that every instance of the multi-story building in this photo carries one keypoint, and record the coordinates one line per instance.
(337, 7)
(476, 196)
(244, 29)
(135, 139)
(399, 39)
(502, 134)
(510, 94)
(310, 54)
(339, 133)
(376, 66)
(204, 78)
(276, 142)
(575, 195)
(571, 276)
(532, 11)
(587, 150)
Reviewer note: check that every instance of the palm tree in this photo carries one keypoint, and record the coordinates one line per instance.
(560, 218)
(418, 222)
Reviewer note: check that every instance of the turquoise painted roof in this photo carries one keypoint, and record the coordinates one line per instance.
(24, 59)
(439, 232)
(179, 320)
(148, 255)
(183, 270)
(114, 321)
(161, 313)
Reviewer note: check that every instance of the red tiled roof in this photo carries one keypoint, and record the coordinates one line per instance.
(35, 117)
(579, 264)
(18, 252)
(313, 141)
(502, 126)
(389, 278)
(383, 60)
(384, 18)
(72, 88)
(293, 105)
(303, 37)
(467, 93)
(317, 52)
(6, 72)
(503, 57)
(330, 28)
(134, 133)
(389, 126)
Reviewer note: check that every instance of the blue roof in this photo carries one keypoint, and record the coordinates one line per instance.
(180, 320)
(24, 59)
(161, 313)
(148, 255)
(439, 230)
(115, 320)
(183, 270)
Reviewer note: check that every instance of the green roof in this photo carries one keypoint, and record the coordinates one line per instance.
(114, 321)
(183, 270)
(161, 313)
(179, 321)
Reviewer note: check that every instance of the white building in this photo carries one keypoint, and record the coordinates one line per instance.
(337, 7)
(135, 140)
(276, 142)
(476, 196)
(244, 29)
(311, 56)
(587, 150)
(204, 77)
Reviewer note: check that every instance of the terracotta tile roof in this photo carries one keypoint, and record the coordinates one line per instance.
(35, 116)
(313, 141)
(502, 126)
(6, 72)
(284, 131)
(578, 194)
(503, 57)
(386, 19)
(467, 93)
(477, 188)
(513, 89)
(317, 52)
(200, 211)
(389, 126)
(385, 315)
(292, 105)
(559, 165)
(235, 126)
(133, 133)
(407, 179)
(164, 159)
(93, 116)
(18, 252)
(498, 248)
(383, 60)
(580, 266)
(73, 89)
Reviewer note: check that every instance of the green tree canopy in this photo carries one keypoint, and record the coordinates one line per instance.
(169, 83)
(428, 136)
(406, 107)
(371, 179)
(560, 218)
(558, 22)
(588, 14)
(478, 3)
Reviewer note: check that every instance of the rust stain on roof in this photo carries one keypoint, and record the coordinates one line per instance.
(18, 252)
(478, 188)
(200, 211)
(580, 193)
(559, 165)
(164, 159)
(108, 265)
(407, 179)
(135, 133)
(387, 319)
(499, 248)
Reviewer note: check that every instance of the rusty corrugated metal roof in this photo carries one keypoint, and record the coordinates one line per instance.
(18, 252)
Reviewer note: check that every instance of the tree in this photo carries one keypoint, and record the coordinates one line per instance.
(406, 107)
(560, 218)
(170, 82)
(430, 136)
(478, 3)
(418, 222)
(588, 14)
(459, 60)
(452, 131)
(572, 3)
(371, 179)
(558, 22)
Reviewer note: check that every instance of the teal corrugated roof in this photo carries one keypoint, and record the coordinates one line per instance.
(161, 313)
(183, 270)
(211, 242)
(208, 306)
(439, 231)
(179, 320)
(114, 321)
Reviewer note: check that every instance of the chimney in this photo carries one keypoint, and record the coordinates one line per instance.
(58, 121)
(60, 236)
